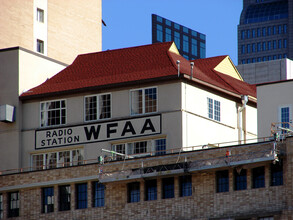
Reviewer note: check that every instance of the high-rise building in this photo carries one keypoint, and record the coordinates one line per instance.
(58, 29)
(191, 44)
(265, 30)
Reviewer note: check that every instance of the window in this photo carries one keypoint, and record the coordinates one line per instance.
(274, 44)
(40, 15)
(53, 113)
(168, 35)
(284, 117)
(217, 110)
(253, 33)
(277, 173)
(285, 43)
(159, 19)
(194, 47)
(160, 146)
(274, 30)
(248, 34)
(264, 46)
(258, 47)
(64, 198)
(243, 49)
(280, 29)
(285, 28)
(48, 199)
(52, 160)
(168, 188)
(98, 194)
(253, 47)
(167, 22)
(242, 35)
(214, 109)
(269, 45)
(248, 48)
(222, 181)
(1, 206)
(240, 179)
(185, 185)
(176, 26)
(264, 32)
(13, 204)
(202, 50)
(151, 190)
(81, 196)
(133, 192)
(279, 44)
(185, 44)
(140, 147)
(97, 107)
(177, 39)
(258, 177)
(143, 101)
(269, 31)
(258, 32)
(40, 46)
(159, 33)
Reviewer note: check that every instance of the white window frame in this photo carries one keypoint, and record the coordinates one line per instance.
(46, 111)
(214, 116)
(97, 107)
(129, 147)
(280, 114)
(143, 100)
(46, 164)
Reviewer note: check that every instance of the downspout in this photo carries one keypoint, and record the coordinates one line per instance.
(242, 120)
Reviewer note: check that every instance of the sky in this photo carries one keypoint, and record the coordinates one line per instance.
(129, 22)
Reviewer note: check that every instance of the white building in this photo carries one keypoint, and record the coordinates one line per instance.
(137, 101)
(274, 107)
(20, 70)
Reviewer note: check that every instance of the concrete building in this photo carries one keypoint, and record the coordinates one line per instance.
(52, 28)
(20, 70)
(138, 101)
(270, 71)
(274, 107)
(191, 44)
(265, 31)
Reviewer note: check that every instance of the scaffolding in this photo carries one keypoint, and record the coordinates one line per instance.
(267, 152)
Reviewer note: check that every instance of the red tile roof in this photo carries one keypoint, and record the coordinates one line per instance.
(135, 64)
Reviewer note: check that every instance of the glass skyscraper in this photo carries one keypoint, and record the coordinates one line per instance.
(264, 31)
(191, 44)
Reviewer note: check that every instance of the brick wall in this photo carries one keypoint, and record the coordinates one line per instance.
(205, 202)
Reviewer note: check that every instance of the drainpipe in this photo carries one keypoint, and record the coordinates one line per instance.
(242, 120)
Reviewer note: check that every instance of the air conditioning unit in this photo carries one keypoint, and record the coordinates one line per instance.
(6, 113)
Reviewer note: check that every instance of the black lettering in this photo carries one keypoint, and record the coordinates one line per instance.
(54, 142)
(69, 131)
(42, 143)
(92, 131)
(48, 134)
(128, 127)
(109, 130)
(148, 125)
(76, 139)
(60, 132)
(60, 140)
(48, 142)
(69, 139)
(54, 134)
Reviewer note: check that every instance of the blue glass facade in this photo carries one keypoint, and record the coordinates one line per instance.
(264, 24)
(191, 44)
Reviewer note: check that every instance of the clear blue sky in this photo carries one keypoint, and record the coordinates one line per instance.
(129, 22)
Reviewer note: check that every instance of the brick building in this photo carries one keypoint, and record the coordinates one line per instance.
(52, 28)
(251, 181)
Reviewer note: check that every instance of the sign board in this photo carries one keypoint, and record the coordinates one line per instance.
(98, 132)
